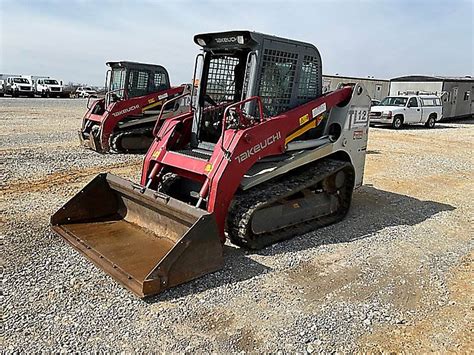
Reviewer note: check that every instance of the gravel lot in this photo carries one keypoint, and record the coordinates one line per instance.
(395, 275)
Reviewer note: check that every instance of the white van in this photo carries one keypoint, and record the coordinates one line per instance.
(407, 109)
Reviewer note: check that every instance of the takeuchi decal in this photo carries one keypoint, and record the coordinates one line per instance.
(226, 39)
(125, 110)
(258, 147)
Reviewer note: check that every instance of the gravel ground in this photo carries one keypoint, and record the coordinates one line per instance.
(395, 275)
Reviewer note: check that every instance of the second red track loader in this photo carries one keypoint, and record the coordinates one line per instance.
(260, 156)
(123, 121)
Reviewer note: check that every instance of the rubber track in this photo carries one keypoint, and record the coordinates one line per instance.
(245, 203)
(116, 139)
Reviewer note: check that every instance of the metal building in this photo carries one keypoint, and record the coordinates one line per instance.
(377, 88)
(456, 92)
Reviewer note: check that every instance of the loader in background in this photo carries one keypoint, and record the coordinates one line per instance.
(122, 121)
(260, 156)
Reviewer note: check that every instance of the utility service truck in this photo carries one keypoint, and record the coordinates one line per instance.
(407, 109)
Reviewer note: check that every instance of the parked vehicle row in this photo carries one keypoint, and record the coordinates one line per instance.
(31, 86)
(407, 109)
(17, 86)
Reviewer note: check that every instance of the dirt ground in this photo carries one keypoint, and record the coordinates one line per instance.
(395, 276)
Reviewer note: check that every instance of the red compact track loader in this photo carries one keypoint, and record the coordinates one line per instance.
(260, 156)
(122, 121)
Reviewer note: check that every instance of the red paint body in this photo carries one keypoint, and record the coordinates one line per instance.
(222, 181)
(109, 119)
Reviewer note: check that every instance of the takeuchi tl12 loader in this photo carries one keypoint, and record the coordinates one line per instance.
(260, 156)
(123, 120)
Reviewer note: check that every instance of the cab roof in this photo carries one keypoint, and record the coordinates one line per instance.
(133, 65)
(229, 39)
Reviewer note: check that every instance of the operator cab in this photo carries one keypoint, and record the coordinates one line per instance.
(126, 80)
(238, 65)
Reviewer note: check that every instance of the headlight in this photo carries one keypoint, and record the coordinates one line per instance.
(387, 113)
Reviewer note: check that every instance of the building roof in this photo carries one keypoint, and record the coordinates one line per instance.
(353, 78)
(433, 78)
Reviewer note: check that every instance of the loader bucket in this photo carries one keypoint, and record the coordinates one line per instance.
(146, 240)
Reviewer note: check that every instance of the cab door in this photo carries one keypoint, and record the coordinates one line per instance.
(413, 111)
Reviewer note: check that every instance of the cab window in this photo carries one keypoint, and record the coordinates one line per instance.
(144, 82)
(160, 81)
(137, 83)
(413, 102)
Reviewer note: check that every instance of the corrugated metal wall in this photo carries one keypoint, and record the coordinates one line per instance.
(377, 89)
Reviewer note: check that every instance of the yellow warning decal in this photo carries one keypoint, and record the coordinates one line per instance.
(151, 106)
(150, 101)
(304, 119)
(156, 153)
(305, 128)
(208, 168)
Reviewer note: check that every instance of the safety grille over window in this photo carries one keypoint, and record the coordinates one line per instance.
(138, 83)
(221, 79)
(160, 82)
(277, 80)
(159, 79)
(309, 87)
(142, 82)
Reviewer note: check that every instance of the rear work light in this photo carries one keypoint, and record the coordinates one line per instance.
(201, 42)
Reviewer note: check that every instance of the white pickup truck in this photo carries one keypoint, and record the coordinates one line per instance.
(411, 109)
(49, 87)
(18, 86)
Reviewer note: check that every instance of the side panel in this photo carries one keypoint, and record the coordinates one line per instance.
(350, 146)
(354, 120)
(457, 100)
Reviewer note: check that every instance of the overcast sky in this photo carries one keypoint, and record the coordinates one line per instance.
(72, 39)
